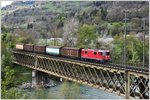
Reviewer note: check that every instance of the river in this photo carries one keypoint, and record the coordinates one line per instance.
(85, 92)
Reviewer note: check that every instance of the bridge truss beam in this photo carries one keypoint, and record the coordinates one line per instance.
(105, 78)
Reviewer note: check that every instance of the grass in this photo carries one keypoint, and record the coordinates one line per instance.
(21, 69)
(21, 74)
(10, 11)
(4, 12)
(52, 8)
(64, 6)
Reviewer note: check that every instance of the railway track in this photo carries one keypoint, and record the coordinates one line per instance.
(107, 65)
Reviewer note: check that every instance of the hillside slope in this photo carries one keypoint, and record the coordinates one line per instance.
(47, 15)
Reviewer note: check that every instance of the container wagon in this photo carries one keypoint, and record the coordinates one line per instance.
(53, 50)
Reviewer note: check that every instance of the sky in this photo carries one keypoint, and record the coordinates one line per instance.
(4, 3)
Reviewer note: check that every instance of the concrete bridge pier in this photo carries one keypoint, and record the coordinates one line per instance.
(39, 78)
(34, 83)
(61, 79)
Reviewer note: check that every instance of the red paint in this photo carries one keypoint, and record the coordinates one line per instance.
(95, 54)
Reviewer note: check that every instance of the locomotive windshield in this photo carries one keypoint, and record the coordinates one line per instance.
(104, 53)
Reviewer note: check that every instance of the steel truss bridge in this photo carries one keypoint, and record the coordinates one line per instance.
(130, 82)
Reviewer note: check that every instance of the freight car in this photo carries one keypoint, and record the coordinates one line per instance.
(19, 46)
(71, 52)
(53, 50)
(40, 48)
(28, 47)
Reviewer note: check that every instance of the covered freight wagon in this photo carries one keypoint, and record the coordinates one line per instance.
(19, 46)
(53, 50)
(71, 52)
(28, 47)
(39, 48)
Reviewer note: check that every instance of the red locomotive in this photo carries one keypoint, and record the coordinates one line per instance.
(94, 54)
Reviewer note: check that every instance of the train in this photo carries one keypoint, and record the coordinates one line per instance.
(67, 52)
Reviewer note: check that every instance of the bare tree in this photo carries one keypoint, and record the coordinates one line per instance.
(70, 32)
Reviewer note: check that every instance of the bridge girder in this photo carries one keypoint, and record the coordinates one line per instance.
(102, 77)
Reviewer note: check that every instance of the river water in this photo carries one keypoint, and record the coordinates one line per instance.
(86, 92)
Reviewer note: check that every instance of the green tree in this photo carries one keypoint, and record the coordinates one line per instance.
(8, 74)
(86, 36)
(7, 82)
(134, 49)
(26, 40)
(6, 47)
(117, 51)
(103, 13)
(116, 28)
